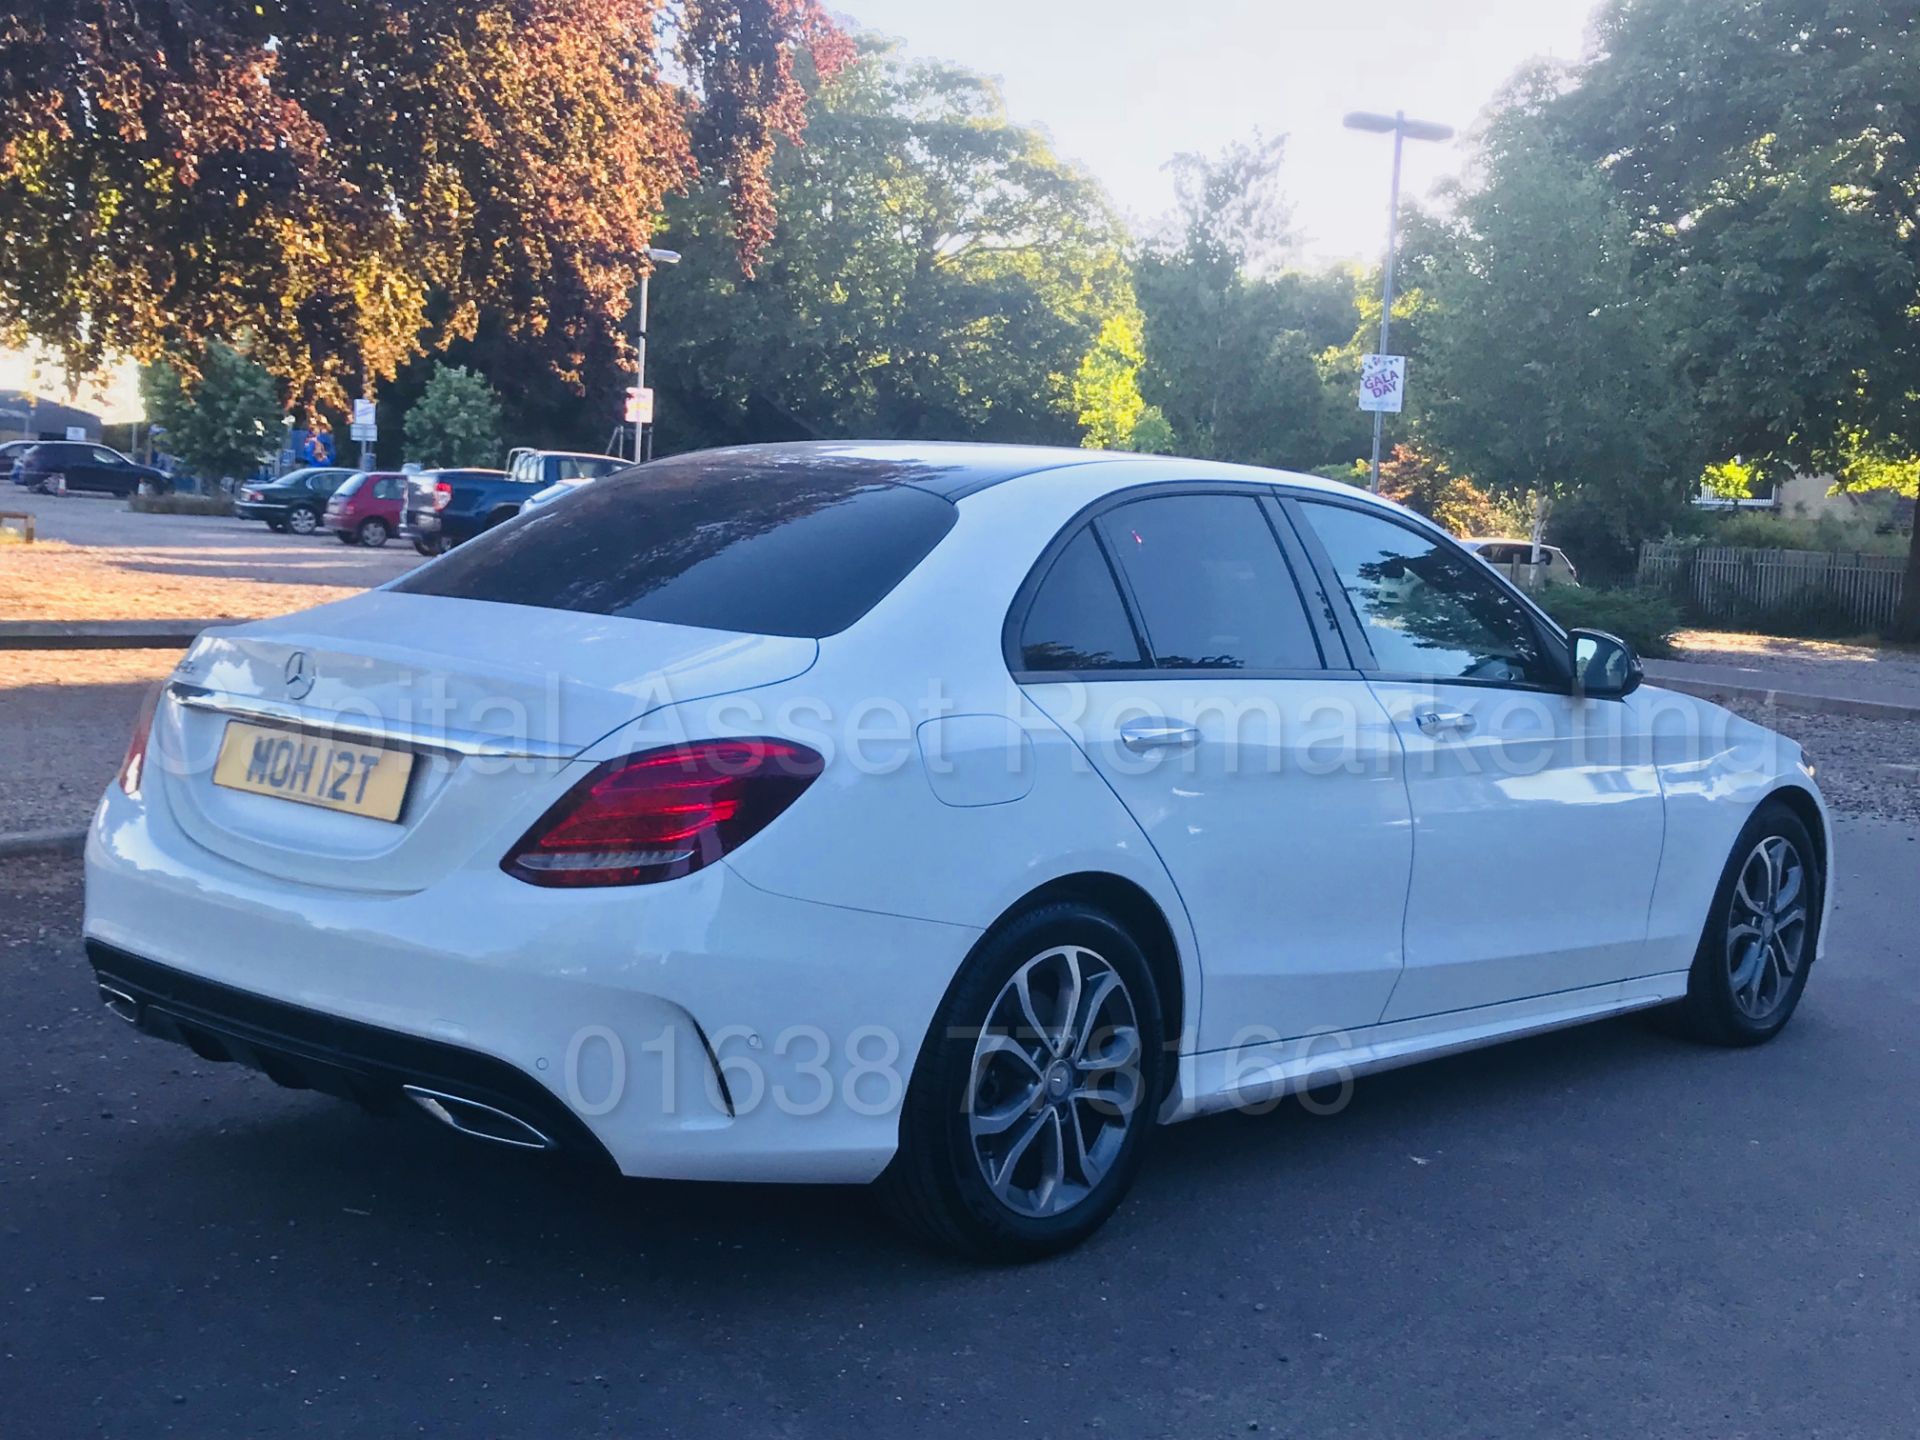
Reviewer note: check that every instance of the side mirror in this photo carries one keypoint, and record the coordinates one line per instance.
(1604, 666)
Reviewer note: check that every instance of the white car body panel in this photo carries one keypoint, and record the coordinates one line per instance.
(1715, 768)
(1488, 919)
(1319, 753)
(563, 985)
(1258, 1074)
(1405, 908)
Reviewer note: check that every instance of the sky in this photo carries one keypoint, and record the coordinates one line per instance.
(1123, 85)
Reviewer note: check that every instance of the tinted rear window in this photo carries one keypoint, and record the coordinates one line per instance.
(1078, 621)
(350, 487)
(773, 548)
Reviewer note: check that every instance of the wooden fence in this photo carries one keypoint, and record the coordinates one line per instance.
(1729, 583)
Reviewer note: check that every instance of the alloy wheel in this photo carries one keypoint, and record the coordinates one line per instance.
(1767, 927)
(373, 533)
(301, 522)
(1056, 1081)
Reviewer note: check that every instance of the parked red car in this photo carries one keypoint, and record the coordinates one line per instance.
(365, 510)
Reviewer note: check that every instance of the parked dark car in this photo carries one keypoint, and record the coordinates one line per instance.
(295, 501)
(366, 509)
(82, 465)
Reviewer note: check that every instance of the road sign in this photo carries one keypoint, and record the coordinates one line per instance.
(76, 432)
(364, 426)
(1383, 383)
(639, 405)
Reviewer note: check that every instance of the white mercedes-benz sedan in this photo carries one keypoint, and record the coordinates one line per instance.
(945, 816)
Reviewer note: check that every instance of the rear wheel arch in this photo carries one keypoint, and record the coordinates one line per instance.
(500, 515)
(1138, 913)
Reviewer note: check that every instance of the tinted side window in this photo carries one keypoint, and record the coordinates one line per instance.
(770, 547)
(1428, 610)
(1214, 589)
(1077, 620)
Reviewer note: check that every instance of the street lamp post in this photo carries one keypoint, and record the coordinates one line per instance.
(643, 430)
(1402, 129)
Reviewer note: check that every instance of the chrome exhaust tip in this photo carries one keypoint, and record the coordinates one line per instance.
(481, 1122)
(120, 1003)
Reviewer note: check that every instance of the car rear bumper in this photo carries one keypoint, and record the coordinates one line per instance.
(256, 510)
(387, 1071)
(698, 1029)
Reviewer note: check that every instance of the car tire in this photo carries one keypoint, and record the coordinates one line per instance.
(279, 527)
(970, 1180)
(428, 548)
(373, 532)
(1733, 997)
(303, 521)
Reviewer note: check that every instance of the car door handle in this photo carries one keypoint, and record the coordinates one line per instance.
(1444, 722)
(1157, 734)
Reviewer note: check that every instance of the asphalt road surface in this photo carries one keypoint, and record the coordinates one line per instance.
(1601, 1233)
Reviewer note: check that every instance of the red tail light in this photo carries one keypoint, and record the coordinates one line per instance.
(442, 494)
(134, 763)
(663, 813)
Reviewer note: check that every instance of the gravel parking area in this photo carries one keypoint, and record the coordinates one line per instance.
(97, 560)
(64, 720)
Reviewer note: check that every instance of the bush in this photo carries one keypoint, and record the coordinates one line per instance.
(456, 420)
(181, 504)
(1759, 530)
(1645, 619)
(1601, 538)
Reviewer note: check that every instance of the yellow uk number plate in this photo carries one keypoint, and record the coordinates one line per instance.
(314, 770)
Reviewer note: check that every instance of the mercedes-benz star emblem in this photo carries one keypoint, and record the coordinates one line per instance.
(299, 675)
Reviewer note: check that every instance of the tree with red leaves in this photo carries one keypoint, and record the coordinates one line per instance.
(341, 184)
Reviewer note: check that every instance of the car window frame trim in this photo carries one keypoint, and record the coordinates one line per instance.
(1291, 552)
(1555, 643)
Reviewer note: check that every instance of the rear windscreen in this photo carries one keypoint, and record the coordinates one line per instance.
(769, 548)
(351, 486)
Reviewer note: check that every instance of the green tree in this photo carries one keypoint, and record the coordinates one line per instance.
(1239, 355)
(221, 420)
(1106, 390)
(938, 273)
(1541, 351)
(456, 420)
(1767, 156)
